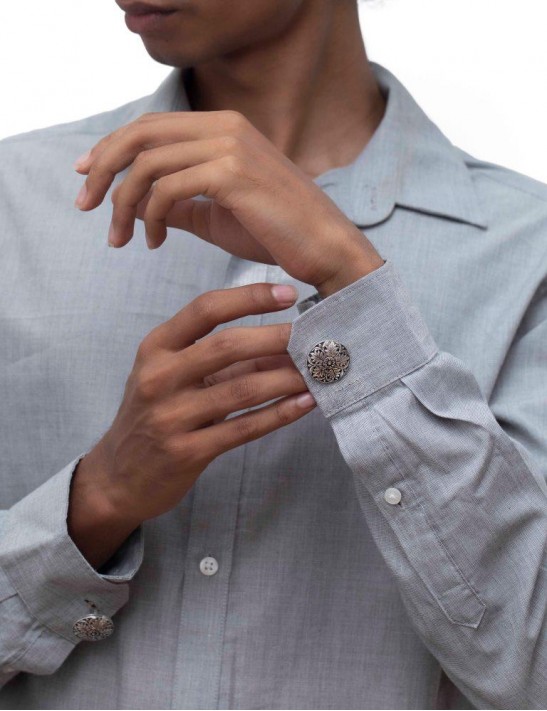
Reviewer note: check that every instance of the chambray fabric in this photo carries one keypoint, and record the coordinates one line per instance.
(327, 596)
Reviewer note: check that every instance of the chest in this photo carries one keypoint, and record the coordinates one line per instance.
(73, 312)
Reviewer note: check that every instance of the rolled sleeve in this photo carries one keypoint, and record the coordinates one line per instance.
(452, 503)
(45, 581)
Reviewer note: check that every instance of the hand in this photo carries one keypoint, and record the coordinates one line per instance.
(171, 422)
(261, 206)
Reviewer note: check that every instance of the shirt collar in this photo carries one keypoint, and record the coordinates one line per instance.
(408, 162)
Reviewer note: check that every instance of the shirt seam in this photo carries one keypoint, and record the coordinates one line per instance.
(511, 185)
(361, 381)
(18, 655)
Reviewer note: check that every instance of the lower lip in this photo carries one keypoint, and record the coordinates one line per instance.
(150, 22)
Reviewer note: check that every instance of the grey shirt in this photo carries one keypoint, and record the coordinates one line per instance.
(328, 593)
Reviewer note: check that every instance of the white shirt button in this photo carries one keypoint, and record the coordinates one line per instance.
(208, 565)
(392, 496)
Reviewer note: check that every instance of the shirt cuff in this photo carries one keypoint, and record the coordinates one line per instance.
(381, 328)
(47, 569)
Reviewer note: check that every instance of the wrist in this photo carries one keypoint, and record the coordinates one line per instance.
(97, 526)
(354, 266)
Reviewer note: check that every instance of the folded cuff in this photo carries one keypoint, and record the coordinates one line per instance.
(46, 568)
(380, 326)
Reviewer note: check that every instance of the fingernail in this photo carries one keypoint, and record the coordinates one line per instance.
(284, 294)
(81, 196)
(82, 160)
(111, 235)
(305, 400)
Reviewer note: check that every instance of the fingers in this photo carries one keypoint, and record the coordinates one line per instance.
(118, 150)
(230, 346)
(245, 367)
(254, 365)
(148, 167)
(200, 179)
(213, 179)
(165, 373)
(204, 313)
(221, 437)
(216, 179)
(195, 216)
(238, 394)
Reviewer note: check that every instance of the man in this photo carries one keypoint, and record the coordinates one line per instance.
(381, 550)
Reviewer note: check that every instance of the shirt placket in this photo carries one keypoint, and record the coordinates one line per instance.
(210, 550)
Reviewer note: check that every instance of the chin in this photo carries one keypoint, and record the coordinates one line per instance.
(166, 53)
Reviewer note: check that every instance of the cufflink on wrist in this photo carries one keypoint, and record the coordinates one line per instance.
(93, 627)
(328, 361)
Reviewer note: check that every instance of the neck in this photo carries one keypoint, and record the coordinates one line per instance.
(310, 91)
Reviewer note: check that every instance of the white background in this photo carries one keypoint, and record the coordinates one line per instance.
(478, 67)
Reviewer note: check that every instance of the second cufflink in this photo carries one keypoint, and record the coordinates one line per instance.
(93, 628)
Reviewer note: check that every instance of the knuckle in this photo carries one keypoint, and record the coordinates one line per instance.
(174, 446)
(136, 134)
(115, 196)
(162, 187)
(183, 449)
(259, 295)
(246, 427)
(234, 120)
(210, 380)
(93, 172)
(233, 165)
(141, 162)
(282, 414)
(284, 332)
(147, 384)
(208, 401)
(100, 169)
(203, 307)
(119, 197)
(230, 144)
(160, 422)
(294, 378)
(297, 379)
(243, 391)
(226, 341)
(157, 188)
(146, 346)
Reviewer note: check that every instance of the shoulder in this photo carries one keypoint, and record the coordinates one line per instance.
(42, 160)
(96, 125)
(505, 190)
(515, 211)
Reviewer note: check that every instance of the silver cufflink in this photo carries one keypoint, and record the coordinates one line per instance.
(93, 627)
(328, 361)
